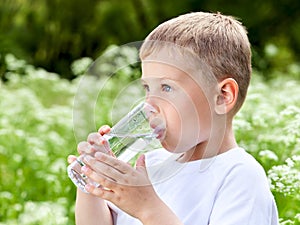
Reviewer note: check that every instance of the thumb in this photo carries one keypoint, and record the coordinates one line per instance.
(141, 168)
(140, 163)
(71, 158)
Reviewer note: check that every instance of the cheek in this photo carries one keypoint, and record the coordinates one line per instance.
(183, 128)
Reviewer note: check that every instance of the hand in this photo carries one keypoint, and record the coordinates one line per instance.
(128, 188)
(95, 143)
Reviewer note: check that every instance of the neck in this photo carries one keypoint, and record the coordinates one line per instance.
(214, 145)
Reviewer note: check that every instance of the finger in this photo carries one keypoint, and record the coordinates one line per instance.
(140, 163)
(85, 147)
(98, 177)
(100, 191)
(71, 158)
(113, 162)
(104, 130)
(97, 170)
(95, 138)
(98, 142)
(110, 168)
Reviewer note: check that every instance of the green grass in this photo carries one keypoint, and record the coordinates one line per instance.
(41, 123)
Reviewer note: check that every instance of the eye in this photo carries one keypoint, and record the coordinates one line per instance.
(166, 88)
(146, 87)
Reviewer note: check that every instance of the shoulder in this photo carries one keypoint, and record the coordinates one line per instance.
(240, 176)
(237, 162)
(243, 192)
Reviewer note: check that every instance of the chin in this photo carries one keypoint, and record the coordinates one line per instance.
(165, 145)
(170, 148)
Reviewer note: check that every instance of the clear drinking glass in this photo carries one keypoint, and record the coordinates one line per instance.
(128, 138)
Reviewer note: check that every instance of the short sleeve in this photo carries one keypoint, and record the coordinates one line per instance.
(244, 198)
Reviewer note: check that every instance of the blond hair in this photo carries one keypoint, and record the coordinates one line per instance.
(220, 41)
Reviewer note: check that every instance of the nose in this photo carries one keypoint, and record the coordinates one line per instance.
(151, 105)
(149, 109)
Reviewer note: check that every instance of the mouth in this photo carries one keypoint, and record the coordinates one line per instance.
(159, 127)
(160, 132)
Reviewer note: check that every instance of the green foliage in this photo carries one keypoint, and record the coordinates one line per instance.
(54, 33)
(43, 117)
(269, 23)
(40, 125)
(269, 127)
(102, 94)
(35, 136)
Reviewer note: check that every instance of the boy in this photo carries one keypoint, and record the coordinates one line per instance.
(196, 70)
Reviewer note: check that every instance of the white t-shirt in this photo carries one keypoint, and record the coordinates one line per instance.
(228, 189)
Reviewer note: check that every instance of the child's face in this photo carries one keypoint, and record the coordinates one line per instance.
(180, 102)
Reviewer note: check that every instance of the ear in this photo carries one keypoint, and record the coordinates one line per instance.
(227, 95)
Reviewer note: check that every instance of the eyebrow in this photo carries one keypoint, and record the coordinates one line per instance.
(160, 78)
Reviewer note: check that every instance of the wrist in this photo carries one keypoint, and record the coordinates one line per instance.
(159, 213)
(82, 196)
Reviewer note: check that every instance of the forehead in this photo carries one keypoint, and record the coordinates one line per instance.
(151, 69)
(178, 66)
(191, 83)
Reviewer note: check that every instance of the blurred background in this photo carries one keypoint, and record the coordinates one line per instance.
(53, 33)
(47, 45)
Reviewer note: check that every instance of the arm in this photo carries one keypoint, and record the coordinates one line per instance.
(159, 214)
(129, 189)
(91, 210)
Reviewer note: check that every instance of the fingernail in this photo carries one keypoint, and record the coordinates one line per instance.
(99, 155)
(84, 169)
(87, 158)
(88, 187)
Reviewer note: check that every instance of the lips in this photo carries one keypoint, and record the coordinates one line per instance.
(159, 127)
(160, 132)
